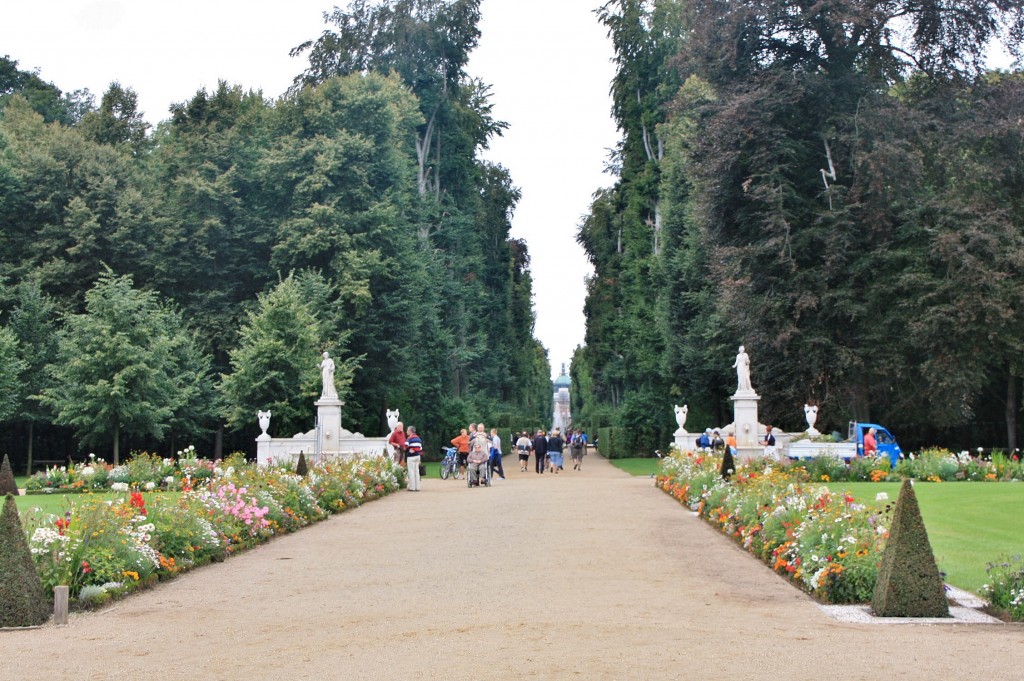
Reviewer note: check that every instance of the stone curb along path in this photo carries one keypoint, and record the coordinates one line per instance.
(581, 575)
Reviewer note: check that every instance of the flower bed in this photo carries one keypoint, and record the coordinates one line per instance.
(101, 548)
(142, 471)
(932, 465)
(825, 543)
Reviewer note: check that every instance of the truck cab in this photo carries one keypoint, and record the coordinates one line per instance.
(887, 445)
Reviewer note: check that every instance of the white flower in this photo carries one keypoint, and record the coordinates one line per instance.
(169, 479)
(88, 470)
(150, 485)
(881, 496)
(119, 487)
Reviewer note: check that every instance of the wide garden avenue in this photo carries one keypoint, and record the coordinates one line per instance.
(591, 575)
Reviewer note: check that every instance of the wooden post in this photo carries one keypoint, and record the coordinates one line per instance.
(60, 605)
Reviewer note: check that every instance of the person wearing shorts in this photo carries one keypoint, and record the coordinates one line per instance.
(523, 446)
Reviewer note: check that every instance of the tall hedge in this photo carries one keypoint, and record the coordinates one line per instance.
(909, 584)
(23, 602)
(7, 483)
(615, 443)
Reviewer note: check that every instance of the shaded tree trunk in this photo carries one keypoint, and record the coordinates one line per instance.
(31, 442)
(1011, 412)
(218, 442)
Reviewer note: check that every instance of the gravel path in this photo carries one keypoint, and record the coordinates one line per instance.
(582, 575)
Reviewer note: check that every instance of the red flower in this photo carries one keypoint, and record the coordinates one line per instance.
(138, 502)
(85, 567)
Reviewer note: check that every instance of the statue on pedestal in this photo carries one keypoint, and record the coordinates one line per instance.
(264, 420)
(742, 367)
(327, 372)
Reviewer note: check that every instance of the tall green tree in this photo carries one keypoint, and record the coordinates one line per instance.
(34, 323)
(11, 367)
(275, 364)
(115, 374)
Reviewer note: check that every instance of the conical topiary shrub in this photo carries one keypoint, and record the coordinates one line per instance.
(728, 464)
(7, 483)
(23, 601)
(909, 584)
(301, 468)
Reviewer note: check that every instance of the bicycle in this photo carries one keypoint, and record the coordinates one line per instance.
(450, 464)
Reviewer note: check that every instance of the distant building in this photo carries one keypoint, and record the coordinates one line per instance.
(562, 417)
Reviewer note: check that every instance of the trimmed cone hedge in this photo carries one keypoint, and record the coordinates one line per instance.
(23, 602)
(7, 483)
(909, 583)
(728, 464)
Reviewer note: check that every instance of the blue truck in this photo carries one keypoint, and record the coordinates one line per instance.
(851, 448)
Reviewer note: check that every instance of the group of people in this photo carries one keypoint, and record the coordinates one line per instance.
(549, 450)
(712, 440)
(407, 448)
(479, 453)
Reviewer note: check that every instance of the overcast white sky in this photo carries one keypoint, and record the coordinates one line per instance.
(547, 60)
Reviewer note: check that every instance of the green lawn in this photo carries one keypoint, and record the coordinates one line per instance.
(970, 524)
(637, 466)
(57, 504)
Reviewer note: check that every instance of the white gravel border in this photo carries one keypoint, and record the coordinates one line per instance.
(965, 608)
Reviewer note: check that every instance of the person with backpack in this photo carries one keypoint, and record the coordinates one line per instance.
(577, 447)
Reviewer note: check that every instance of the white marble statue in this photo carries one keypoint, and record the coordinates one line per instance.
(327, 372)
(811, 414)
(742, 367)
(264, 419)
(681, 413)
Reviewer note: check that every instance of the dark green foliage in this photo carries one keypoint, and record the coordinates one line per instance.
(301, 468)
(23, 602)
(7, 483)
(728, 464)
(368, 175)
(789, 180)
(909, 584)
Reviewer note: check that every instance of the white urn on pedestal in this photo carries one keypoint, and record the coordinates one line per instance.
(811, 414)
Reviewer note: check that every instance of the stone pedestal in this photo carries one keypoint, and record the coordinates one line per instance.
(685, 442)
(263, 453)
(328, 414)
(744, 409)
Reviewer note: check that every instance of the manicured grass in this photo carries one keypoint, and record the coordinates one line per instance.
(57, 504)
(638, 466)
(970, 524)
